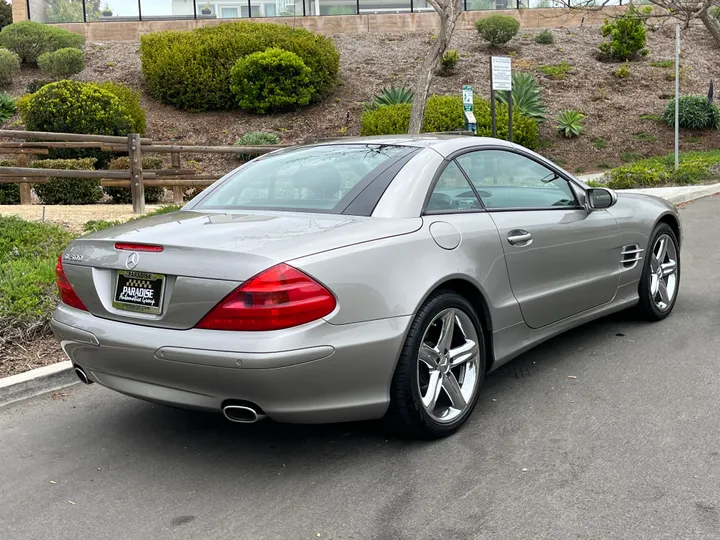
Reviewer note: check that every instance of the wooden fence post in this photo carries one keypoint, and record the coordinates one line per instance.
(178, 191)
(25, 189)
(137, 189)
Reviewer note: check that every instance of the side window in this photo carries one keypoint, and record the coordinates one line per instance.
(509, 180)
(452, 193)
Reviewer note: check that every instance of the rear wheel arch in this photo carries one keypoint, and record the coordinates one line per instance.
(477, 299)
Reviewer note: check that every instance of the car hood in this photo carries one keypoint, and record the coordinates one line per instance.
(234, 245)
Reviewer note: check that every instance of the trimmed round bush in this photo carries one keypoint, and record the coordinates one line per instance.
(30, 39)
(445, 113)
(68, 190)
(123, 195)
(626, 35)
(76, 107)
(272, 80)
(130, 100)
(9, 66)
(62, 63)
(497, 29)
(192, 70)
(695, 113)
(256, 138)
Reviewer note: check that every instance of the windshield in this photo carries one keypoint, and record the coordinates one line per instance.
(314, 179)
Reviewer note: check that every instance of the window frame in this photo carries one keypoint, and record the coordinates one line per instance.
(572, 183)
(454, 211)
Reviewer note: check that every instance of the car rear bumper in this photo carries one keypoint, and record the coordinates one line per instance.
(314, 374)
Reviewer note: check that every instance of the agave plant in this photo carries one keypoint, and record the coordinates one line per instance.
(527, 97)
(570, 123)
(393, 96)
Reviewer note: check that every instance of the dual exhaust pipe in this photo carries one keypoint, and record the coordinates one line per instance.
(241, 414)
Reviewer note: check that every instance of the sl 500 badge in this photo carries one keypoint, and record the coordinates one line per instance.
(72, 257)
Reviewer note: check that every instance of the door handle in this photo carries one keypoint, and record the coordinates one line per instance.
(519, 237)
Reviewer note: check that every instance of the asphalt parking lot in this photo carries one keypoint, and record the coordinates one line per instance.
(611, 431)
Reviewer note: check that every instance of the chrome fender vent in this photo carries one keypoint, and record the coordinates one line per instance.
(631, 255)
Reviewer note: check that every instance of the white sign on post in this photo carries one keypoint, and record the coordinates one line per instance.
(501, 73)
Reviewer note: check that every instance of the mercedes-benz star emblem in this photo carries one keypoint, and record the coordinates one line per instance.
(132, 261)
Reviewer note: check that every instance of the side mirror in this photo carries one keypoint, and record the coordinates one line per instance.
(599, 198)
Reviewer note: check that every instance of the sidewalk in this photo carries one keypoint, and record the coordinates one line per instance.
(675, 195)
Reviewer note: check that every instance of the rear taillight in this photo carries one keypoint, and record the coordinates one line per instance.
(65, 290)
(280, 297)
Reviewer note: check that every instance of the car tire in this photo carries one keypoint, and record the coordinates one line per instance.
(449, 366)
(660, 275)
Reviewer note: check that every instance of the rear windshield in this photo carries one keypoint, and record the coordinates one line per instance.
(313, 179)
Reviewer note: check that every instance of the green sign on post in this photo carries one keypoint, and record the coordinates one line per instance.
(470, 122)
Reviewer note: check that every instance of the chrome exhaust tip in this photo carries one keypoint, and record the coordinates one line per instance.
(242, 414)
(80, 372)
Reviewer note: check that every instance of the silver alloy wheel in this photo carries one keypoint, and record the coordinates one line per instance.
(663, 272)
(448, 365)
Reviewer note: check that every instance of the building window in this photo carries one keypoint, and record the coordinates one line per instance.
(228, 13)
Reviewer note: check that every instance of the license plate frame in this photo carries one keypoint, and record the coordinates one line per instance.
(140, 281)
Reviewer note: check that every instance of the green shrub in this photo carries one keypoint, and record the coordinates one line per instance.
(130, 100)
(557, 72)
(445, 113)
(690, 172)
(271, 80)
(36, 84)
(527, 96)
(28, 255)
(8, 107)
(393, 96)
(68, 190)
(663, 63)
(62, 63)
(450, 60)
(570, 123)
(75, 107)
(9, 193)
(9, 66)
(695, 113)
(545, 37)
(623, 72)
(256, 138)
(123, 195)
(192, 70)
(637, 175)
(30, 39)
(497, 29)
(627, 36)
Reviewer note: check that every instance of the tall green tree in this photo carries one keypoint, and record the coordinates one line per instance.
(5, 13)
(72, 11)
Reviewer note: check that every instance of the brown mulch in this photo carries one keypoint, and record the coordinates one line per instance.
(18, 358)
(370, 62)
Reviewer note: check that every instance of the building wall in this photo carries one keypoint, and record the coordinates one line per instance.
(350, 24)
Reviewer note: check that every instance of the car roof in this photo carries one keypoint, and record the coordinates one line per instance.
(444, 144)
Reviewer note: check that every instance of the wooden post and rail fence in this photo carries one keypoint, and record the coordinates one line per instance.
(38, 143)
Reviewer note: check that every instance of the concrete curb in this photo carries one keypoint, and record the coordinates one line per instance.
(61, 375)
(37, 381)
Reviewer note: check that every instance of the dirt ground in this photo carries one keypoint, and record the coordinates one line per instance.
(18, 358)
(370, 62)
(73, 217)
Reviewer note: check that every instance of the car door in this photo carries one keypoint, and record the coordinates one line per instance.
(562, 259)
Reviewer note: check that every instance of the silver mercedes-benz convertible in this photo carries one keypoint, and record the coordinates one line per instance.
(360, 279)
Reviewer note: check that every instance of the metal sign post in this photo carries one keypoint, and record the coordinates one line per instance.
(501, 79)
(677, 96)
(468, 102)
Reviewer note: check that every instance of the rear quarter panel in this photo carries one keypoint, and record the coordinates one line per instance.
(392, 277)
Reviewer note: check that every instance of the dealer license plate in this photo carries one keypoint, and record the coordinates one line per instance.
(139, 291)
